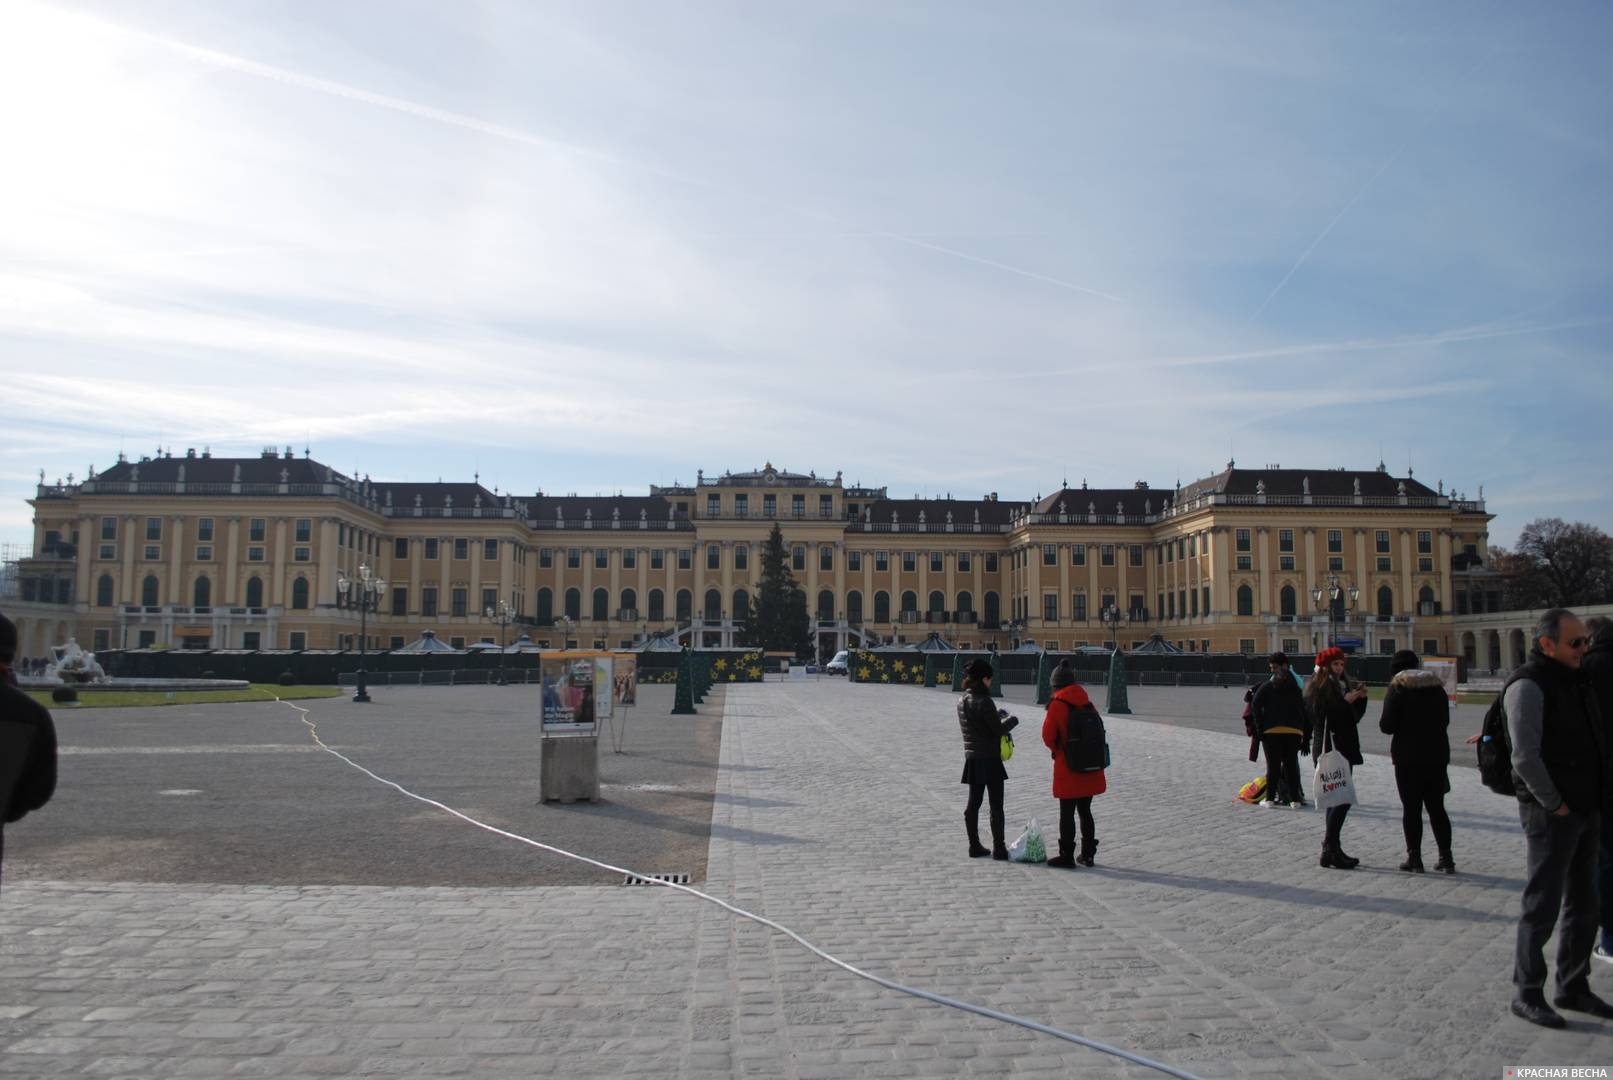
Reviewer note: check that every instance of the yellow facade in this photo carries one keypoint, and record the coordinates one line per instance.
(198, 551)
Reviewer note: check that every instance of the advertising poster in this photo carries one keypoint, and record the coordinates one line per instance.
(568, 693)
(1445, 668)
(626, 680)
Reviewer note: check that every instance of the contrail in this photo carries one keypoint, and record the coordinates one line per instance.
(1003, 266)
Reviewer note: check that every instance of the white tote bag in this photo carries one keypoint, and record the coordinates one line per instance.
(1333, 784)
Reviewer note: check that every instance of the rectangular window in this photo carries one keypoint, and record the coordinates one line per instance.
(798, 557)
(109, 551)
(1247, 646)
(1335, 541)
(1206, 591)
(854, 560)
(573, 558)
(1078, 554)
(109, 528)
(1425, 564)
(1285, 539)
(601, 559)
(341, 535)
(102, 640)
(395, 641)
(770, 506)
(798, 506)
(546, 558)
(935, 562)
(490, 550)
(297, 640)
(713, 557)
(301, 554)
(629, 558)
(461, 547)
(1050, 554)
(657, 559)
(456, 642)
(741, 505)
(826, 506)
(826, 557)
(1050, 607)
(1335, 563)
(154, 528)
(1181, 602)
(1193, 595)
(254, 554)
(400, 600)
(1285, 562)
(1425, 541)
(1170, 603)
(685, 559)
(304, 530)
(1134, 555)
(204, 529)
(400, 548)
(1137, 612)
(1181, 549)
(910, 562)
(249, 638)
(458, 599)
(1290, 645)
(431, 548)
(1242, 536)
(991, 562)
(153, 553)
(1192, 545)
(882, 561)
(1245, 562)
(1078, 607)
(256, 528)
(490, 601)
(1385, 564)
(964, 564)
(428, 601)
(1383, 541)
(713, 505)
(1106, 555)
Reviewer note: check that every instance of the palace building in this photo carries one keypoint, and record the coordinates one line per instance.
(198, 551)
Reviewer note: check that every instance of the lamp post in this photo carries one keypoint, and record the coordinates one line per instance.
(1111, 616)
(1015, 628)
(1335, 592)
(365, 591)
(502, 614)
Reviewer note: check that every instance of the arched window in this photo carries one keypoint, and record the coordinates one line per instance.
(938, 601)
(910, 601)
(574, 604)
(741, 605)
(601, 605)
(1246, 600)
(1425, 595)
(254, 592)
(854, 607)
(713, 609)
(993, 613)
(545, 606)
(202, 594)
(965, 603)
(826, 606)
(1287, 599)
(299, 594)
(882, 606)
(1386, 602)
(103, 591)
(685, 605)
(148, 591)
(629, 601)
(657, 611)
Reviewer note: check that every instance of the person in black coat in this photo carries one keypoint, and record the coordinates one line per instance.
(1277, 711)
(27, 743)
(983, 727)
(1336, 705)
(1417, 717)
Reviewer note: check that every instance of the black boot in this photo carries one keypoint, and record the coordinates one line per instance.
(1446, 864)
(1089, 848)
(1066, 855)
(1347, 862)
(1334, 859)
(1413, 863)
(977, 850)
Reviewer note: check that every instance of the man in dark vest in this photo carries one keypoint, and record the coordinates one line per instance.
(1560, 769)
(27, 742)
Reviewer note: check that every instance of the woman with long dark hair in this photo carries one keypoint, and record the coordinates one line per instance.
(983, 728)
(1336, 705)
(1417, 717)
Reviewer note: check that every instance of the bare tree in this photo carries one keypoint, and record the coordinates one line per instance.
(1565, 564)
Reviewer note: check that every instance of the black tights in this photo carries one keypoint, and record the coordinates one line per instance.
(1068, 808)
(971, 812)
(1419, 792)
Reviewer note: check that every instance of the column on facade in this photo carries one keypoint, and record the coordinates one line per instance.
(1443, 565)
(1265, 573)
(586, 601)
(126, 588)
(328, 556)
(1122, 565)
(445, 565)
(842, 639)
(1221, 573)
(176, 560)
(473, 598)
(232, 562)
(87, 538)
(278, 593)
(417, 558)
(506, 574)
(1407, 561)
(1066, 597)
(1312, 577)
(1362, 578)
(698, 605)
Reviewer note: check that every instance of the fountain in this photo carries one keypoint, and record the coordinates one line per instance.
(74, 668)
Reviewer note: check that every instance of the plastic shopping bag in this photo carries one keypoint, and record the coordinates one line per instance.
(1334, 786)
(1029, 846)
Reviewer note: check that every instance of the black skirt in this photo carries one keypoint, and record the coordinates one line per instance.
(976, 771)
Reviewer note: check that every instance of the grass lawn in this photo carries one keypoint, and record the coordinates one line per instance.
(103, 699)
(1375, 693)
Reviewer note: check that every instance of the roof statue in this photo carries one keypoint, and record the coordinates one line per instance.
(1092, 509)
(1306, 485)
(1260, 487)
(285, 475)
(1358, 485)
(1401, 487)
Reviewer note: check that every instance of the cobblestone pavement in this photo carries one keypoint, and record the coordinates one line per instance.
(1206, 937)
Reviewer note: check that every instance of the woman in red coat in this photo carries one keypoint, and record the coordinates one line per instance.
(1074, 790)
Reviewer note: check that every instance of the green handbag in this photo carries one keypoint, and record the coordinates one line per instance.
(1007, 746)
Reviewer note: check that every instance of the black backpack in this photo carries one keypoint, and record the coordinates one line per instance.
(1495, 750)
(1085, 749)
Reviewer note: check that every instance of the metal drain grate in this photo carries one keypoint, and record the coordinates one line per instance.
(648, 879)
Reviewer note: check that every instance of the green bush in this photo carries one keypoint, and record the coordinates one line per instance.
(287, 679)
(64, 694)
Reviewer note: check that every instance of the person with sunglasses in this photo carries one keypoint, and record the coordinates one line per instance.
(1560, 768)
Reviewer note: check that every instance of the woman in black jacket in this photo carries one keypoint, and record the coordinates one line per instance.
(983, 727)
(1417, 714)
(1336, 706)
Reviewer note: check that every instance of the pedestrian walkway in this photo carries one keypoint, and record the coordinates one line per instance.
(1206, 937)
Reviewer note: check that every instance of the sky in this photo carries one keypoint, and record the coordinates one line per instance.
(939, 247)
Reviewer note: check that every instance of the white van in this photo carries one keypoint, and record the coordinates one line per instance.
(837, 666)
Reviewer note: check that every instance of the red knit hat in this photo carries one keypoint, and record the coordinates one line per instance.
(1328, 655)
